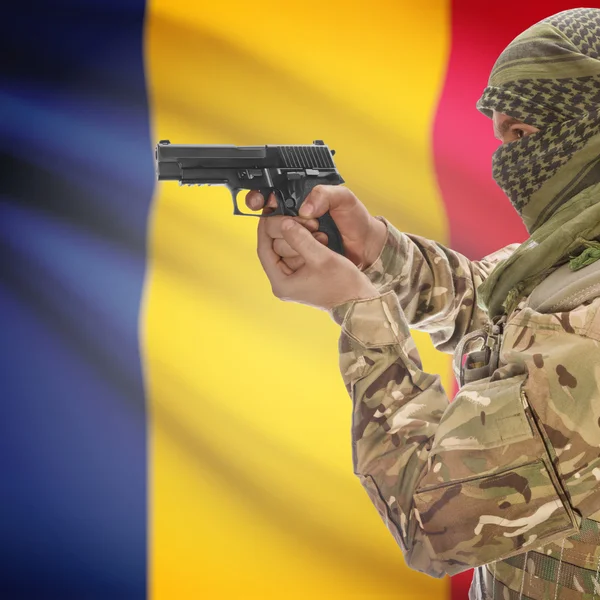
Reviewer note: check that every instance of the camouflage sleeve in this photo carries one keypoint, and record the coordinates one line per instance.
(436, 286)
(509, 465)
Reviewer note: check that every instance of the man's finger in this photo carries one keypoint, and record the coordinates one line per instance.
(268, 258)
(324, 198)
(273, 225)
(254, 200)
(294, 263)
(321, 237)
(283, 249)
(302, 241)
(287, 269)
(272, 202)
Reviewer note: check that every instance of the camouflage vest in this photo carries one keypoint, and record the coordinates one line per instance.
(564, 570)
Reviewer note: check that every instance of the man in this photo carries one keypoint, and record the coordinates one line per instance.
(505, 478)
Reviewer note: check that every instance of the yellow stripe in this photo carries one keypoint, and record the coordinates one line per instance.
(252, 491)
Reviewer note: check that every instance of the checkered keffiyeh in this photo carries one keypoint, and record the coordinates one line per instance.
(548, 77)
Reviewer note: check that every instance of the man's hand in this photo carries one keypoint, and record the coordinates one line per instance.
(362, 234)
(325, 278)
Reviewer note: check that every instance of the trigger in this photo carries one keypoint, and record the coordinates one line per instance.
(266, 194)
(280, 206)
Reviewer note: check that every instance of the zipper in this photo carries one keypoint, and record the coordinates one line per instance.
(551, 456)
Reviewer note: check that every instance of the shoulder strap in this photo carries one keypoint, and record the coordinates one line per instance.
(564, 289)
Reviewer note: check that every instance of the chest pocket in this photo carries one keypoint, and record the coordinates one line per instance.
(484, 414)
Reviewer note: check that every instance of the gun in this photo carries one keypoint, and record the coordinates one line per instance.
(290, 172)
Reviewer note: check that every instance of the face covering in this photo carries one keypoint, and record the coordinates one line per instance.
(534, 171)
(548, 77)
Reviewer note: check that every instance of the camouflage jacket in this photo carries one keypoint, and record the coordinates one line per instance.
(513, 463)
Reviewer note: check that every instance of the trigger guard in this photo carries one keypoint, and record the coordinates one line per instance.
(236, 209)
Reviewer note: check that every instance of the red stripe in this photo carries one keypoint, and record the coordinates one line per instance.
(480, 217)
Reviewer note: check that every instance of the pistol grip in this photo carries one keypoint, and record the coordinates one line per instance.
(300, 192)
(334, 239)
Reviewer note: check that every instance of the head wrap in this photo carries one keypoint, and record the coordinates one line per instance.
(548, 77)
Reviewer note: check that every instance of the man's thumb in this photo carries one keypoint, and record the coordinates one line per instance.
(301, 240)
(326, 198)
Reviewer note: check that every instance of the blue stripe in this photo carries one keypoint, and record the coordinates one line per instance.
(77, 180)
